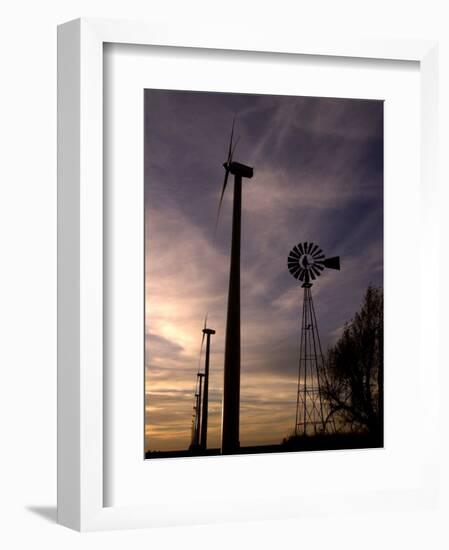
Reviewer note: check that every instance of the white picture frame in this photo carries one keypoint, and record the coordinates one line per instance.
(81, 473)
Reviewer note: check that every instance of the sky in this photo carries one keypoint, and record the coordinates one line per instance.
(318, 176)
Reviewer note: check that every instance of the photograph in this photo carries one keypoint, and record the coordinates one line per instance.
(264, 269)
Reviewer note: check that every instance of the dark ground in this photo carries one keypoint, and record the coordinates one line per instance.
(328, 442)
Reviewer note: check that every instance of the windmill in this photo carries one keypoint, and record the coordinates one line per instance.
(231, 386)
(306, 262)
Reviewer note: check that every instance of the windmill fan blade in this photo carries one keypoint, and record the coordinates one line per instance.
(301, 250)
(296, 272)
(314, 249)
(332, 263)
(294, 253)
(293, 256)
(292, 266)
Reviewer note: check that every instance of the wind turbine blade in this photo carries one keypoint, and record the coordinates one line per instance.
(223, 189)
(204, 328)
(332, 263)
(230, 149)
(202, 343)
(233, 151)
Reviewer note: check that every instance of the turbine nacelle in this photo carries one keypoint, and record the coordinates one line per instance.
(239, 169)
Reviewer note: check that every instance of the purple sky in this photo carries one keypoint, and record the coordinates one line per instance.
(318, 176)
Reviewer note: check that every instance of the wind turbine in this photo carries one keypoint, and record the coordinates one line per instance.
(204, 416)
(200, 376)
(230, 439)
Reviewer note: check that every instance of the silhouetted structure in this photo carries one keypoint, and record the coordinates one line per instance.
(231, 387)
(197, 408)
(306, 262)
(204, 417)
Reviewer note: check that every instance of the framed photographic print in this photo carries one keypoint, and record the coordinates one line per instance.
(231, 249)
(219, 263)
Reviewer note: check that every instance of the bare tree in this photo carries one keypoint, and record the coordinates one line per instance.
(354, 370)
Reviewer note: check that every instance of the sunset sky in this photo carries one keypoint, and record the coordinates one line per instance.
(318, 176)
